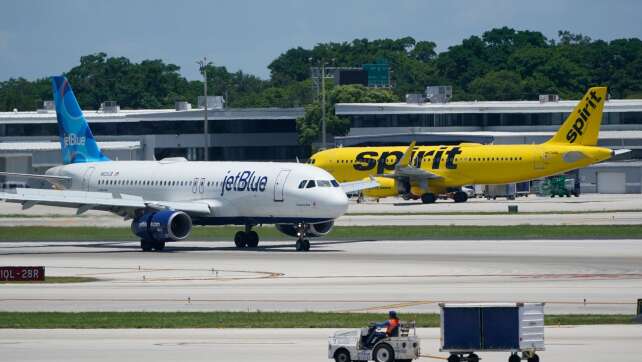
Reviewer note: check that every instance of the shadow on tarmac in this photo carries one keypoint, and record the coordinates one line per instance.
(131, 247)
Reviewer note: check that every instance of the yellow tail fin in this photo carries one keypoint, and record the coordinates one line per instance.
(583, 124)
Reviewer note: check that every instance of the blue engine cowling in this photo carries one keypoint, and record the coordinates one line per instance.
(312, 230)
(165, 225)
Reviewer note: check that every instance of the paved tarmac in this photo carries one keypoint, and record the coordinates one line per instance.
(583, 343)
(596, 209)
(574, 276)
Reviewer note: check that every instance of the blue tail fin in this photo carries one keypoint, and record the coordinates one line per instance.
(76, 141)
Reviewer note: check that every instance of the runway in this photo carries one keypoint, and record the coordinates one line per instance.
(574, 276)
(585, 343)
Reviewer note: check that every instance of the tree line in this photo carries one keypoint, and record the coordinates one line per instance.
(501, 64)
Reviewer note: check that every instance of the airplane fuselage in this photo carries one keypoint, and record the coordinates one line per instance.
(461, 165)
(242, 192)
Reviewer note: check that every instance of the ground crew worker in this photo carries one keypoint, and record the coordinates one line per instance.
(391, 325)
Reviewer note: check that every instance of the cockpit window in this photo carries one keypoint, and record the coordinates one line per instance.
(324, 183)
(311, 184)
(302, 184)
(334, 183)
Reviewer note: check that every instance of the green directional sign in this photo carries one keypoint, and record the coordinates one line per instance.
(378, 74)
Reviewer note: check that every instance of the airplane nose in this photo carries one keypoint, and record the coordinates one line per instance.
(337, 202)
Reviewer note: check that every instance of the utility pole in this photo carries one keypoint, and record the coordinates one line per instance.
(203, 64)
(323, 140)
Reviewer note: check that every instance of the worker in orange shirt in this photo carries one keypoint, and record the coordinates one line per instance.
(391, 326)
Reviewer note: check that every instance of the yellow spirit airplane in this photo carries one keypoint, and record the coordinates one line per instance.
(427, 171)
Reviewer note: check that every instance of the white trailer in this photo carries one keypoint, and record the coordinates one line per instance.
(492, 327)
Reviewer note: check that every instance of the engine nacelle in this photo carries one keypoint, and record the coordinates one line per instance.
(312, 230)
(320, 229)
(163, 226)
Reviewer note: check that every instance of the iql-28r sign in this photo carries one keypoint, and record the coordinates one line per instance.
(22, 273)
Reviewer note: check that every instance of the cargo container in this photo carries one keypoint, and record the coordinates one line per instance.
(492, 327)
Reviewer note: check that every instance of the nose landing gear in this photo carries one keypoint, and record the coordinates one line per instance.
(302, 244)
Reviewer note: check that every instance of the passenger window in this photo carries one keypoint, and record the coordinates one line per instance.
(302, 184)
(335, 183)
(311, 184)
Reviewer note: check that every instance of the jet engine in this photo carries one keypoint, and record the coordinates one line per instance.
(162, 226)
(312, 230)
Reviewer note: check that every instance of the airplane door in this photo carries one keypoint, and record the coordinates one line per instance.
(87, 177)
(279, 184)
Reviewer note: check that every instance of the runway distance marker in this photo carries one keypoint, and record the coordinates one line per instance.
(22, 273)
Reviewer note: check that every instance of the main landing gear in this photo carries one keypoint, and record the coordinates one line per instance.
(149, 245)
(302, 244)
(246, 239)
(460, 196)
(428, 198)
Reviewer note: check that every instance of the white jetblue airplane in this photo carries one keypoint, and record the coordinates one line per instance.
(165, 198)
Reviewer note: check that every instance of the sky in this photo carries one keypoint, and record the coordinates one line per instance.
(39, 38)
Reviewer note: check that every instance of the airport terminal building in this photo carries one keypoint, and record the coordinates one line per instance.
(505, 122)
(29, 140)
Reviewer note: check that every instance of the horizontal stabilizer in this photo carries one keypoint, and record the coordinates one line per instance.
(620, 151)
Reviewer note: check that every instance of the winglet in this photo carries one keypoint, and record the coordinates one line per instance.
(406, 158)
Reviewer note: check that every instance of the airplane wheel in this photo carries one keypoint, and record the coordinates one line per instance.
(514, 358)
(146, 245)
(460, 196)
(428, 198)
(239, 239)
(533, 358)
(302, 245)
(159, 246)
(252, 239)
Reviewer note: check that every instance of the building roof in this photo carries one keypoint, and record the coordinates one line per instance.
(136, 115)
(614, 105)
(52, 146)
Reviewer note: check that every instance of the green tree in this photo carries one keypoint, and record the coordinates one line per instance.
(309, 125)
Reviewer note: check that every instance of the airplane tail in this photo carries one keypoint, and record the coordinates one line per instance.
(583, 124)
(77, 143)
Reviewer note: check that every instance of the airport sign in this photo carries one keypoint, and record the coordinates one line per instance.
(22, 273)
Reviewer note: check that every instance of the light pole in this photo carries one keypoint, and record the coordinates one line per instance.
(203, 64)
(323, 140)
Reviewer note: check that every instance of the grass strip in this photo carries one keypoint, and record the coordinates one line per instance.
(54, 280)
(421, 232)
(50, 320)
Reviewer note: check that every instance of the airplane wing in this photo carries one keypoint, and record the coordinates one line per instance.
(62, 182)
(412, 172)
(355, 186)
(122, 204)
